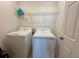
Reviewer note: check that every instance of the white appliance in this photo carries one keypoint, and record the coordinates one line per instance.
(43, 43)
(19, 42)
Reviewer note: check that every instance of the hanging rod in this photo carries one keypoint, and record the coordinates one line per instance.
(43, 13)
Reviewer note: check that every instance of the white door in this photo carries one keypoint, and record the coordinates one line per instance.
(71, 31)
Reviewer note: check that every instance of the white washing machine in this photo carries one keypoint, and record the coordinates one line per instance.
(43, 42)
(19, 42)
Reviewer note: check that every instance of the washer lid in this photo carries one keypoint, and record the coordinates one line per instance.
(18, 33)
(39, 34)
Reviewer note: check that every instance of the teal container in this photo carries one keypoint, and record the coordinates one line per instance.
(20, 12)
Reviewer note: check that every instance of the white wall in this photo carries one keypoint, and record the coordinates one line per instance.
(8, 19)
(60, 18)
(38, 19)
(38, 6)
